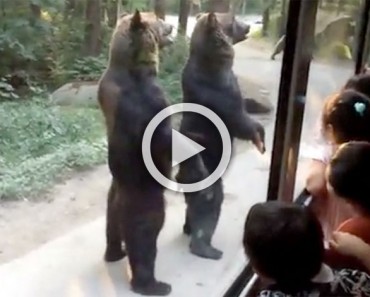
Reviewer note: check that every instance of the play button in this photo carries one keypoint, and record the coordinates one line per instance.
(183, 148)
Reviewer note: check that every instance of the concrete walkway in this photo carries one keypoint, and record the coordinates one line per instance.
(72, 265)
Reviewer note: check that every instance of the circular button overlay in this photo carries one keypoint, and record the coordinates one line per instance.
(226, 147)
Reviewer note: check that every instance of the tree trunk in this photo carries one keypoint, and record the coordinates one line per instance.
(69, 8)
(92, 45)
(35, 10)
(195, 7)
(266, 21)
(340, 6)
(160, 8)
(111, 7)
(219, 5)
(183, 16)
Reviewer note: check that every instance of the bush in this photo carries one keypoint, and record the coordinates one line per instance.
(335, 50)
(40, 143)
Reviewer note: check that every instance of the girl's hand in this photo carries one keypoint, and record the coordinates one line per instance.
(349, 245)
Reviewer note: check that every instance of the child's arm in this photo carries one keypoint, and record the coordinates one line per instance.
(351, 245)
(315, 182)
(319, 153)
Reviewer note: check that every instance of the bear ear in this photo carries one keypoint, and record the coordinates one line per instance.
(136, 22)
(212, 20)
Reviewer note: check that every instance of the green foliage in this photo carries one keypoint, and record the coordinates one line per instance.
(7, 91)
(172, 62)
(46, 44)
(83, 69)
(39, 143)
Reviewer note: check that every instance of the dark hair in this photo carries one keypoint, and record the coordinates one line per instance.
(359, 83)
(284, 242)
(349, 173)
(348, 113)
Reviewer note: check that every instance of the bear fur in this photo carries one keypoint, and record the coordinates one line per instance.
(208, 80)
(237, 31)
(130, 97)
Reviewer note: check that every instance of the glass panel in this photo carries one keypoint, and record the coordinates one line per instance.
(59, 51)
(333, 64)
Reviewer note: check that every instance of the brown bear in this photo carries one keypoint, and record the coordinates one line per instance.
(208, 80)
(130, 97)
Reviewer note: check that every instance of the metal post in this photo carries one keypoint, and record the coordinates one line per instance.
(292, 98)
(361, 51)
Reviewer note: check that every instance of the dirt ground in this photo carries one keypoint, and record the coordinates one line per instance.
(25, 225)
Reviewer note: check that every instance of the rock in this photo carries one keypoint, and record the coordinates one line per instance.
(76, 94)
(84, 94)
(256, 96)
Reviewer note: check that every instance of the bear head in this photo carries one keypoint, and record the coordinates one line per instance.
(235, 29)
(209, 42)
(135, 45)
(160, 28)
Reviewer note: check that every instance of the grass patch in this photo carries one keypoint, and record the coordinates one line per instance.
(40, 143)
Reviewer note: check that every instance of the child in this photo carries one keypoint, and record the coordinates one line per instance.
(321, 155)
(359, 83)
(348, 177)
(346, 117)
(351, 245)
(284, 243)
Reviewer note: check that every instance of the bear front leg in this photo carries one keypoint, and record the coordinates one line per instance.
(114, 251)
(141, 229)
(204, 212)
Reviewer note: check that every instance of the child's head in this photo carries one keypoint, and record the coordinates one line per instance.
(346, 117)
(284, 242)
(359, 83)
(348, 174)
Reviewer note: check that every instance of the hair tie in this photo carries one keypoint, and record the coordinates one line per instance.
(360, 108)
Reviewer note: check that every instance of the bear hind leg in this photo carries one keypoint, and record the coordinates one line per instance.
(204, 213)
(141, 232)
(114, 250)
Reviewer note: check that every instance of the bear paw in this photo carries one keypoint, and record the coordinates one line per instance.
(113, 255)
(154, 288)
(204, 250)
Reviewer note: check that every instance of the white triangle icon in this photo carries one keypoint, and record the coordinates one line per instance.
(183, 148)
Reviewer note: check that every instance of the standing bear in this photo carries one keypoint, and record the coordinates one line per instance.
(130, 97)
(208, 80)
